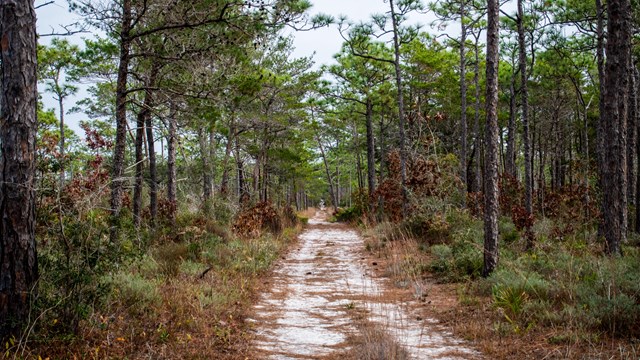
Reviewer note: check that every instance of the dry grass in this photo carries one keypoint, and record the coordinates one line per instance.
(377, 344)
(162, 307)
(471, 314)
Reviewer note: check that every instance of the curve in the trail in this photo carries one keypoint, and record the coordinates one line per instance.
(305, 313)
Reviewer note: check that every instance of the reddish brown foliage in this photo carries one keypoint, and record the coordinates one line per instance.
(571, 205)
(262, 216)
(511, 193)
(423, 179)
(522, 219)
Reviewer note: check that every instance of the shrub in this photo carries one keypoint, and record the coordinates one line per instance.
(348, 214)
(252, 221)
(169, 258)
(460, 261)
(610, 296)
(529, 283)
(134, 291)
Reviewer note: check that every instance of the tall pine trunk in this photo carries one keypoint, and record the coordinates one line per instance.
(18, 103)
(463, 101)
(403, 148)
(117, 172)
(526, 137)
(371, 161)
(510, 156)
(153, 171)
(491, 142)
(616, 96)
(477, 186)
(172, 173)
(144, 117)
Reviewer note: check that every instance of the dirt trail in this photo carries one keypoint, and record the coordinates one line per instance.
(308, 312)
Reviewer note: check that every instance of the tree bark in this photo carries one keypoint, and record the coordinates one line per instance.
(526, 137)
(636, 103)
(153, 171)
(371, 161)
(463, 102)
(491, 142)
(401, 120)
(171, 163)
(18, 126)
(476, 122)
(117, 180)
(632, 136)
(243, 196)
(144, 118)
(224, 182)
(62, 137)
(204, 154)
(137, 188)
(600, 138)
(332, 193)
(616, 96)
(510, 156)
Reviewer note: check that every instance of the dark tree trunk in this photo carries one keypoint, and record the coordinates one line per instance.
(616, 96)
(172, 173)
(491, 142)
(243, 195)
(224, 182)
(526, 137)
(371, 161)
(383, 150)
(632, 136)
(510, 157)
(476, 121)
(403, 148)
(463, 101)
(18, 126)
(600, 137)
(332, 192)
(213, 144)
(137, 188)
(206, 175)
(117, 179)
(62, 138)
(636, 103)
(153, 171)
(356, 149)
(143, 118)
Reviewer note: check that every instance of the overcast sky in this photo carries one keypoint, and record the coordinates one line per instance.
(324, 43)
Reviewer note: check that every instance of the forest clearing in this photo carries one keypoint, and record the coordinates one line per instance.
(446, 179)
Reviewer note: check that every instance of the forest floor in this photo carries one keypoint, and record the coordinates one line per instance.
(331, 299)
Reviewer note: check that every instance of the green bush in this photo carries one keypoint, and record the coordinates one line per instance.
(507, 230)
(348, 214)
(72, 265)
(169, 258)
(462, 260)
(134, 291)
(529, 283)
(609, 295)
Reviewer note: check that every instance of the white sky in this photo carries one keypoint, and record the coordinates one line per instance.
(323, 42)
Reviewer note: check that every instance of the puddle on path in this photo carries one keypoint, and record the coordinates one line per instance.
(305, 315)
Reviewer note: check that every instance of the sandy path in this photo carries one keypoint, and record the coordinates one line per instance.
(306, 313)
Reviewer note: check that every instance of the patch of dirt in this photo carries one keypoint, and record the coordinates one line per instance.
(328, 299)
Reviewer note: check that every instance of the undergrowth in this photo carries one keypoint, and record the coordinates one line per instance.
(563, 292)
(180, 290)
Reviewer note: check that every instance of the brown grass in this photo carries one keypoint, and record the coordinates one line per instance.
(471, 316)
(171, 311)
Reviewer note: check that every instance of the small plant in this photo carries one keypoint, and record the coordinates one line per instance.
(134, 292)
(511, 301)
(169, 258)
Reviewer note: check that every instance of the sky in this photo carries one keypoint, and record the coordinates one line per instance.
(321, 43)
